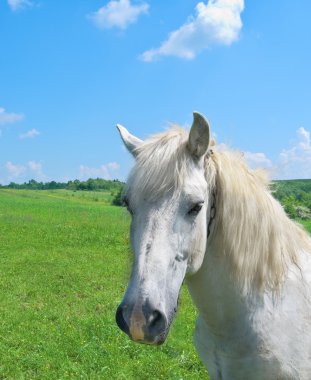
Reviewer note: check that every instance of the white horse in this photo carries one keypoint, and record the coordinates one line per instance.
(202, 214)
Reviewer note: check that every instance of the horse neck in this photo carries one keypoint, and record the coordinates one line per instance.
(214, 291)
(219, 289)
(251, 246)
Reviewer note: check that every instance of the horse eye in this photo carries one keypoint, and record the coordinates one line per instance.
(195, 209)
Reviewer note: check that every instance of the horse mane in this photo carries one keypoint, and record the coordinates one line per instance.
(257, 236)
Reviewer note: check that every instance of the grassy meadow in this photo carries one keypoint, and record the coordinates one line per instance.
(306, 224)
(64, 262)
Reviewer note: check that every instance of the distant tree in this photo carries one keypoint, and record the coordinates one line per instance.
(91, 184)
(117, 200)
(289, 207)
(13, 185)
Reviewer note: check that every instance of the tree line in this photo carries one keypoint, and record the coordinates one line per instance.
(295, 196)
(97, 184)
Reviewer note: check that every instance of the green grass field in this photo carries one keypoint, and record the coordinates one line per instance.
(64, 262)
(307, 224)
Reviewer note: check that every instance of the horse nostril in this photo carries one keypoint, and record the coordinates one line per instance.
(155, 318)
(121, 322)
(157, 322)
(143, 324)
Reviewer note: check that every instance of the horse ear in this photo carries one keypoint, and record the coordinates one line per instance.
(199, 136)
(131, 142)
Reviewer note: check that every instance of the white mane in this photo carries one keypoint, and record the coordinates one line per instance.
(258, 237)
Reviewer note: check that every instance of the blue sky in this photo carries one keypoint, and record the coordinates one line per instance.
(71, 70)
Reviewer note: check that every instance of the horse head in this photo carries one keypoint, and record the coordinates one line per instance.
(168, 198)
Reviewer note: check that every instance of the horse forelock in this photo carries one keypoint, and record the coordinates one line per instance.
(162, 164)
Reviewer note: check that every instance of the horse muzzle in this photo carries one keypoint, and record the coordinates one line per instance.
(142, 322)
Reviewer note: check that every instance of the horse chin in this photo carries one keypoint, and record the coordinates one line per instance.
(158, 341)
(153, 340)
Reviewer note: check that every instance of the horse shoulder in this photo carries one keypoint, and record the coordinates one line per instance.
(272, 342)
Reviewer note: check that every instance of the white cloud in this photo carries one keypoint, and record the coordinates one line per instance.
(15, 5)
(292, 163)
(118, 13)
(258, 160)
(254, 160)
(29, 134)
(35, 167)
(216, 22)
(295, 162)
(113, 166)
(23, 172)
(104, 171)
(14, 170)
(9, 117)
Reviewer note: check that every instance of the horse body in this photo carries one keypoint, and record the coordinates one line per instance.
(203, 215)
(262, 335)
